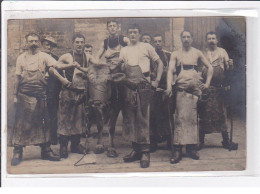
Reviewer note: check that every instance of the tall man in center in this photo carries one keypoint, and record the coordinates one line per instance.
(136, 65)
(110, 48)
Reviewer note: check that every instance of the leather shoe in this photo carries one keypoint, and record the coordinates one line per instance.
(194, 155)
(49, 155)
(80, 149)
(133, 156)
(145, 160)
(232, 146)
(17, 158)
(64, 152)
(176, 157)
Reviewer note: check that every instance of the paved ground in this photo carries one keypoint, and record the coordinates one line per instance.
(212, 158)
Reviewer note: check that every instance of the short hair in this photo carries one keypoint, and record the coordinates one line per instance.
(158, 35)
(146, 34)
(77, 36)
(110, 21)
(87, 46)
(211, 33)
(186, 31)
(32, 34)
(134, 26)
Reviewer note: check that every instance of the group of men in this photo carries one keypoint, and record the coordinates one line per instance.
(158, 85)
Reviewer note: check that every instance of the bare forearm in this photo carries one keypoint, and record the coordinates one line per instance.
(159, 70)
(56, 74)
(62, 66)
(85, 70)
(16, 84)
(169, 80)
(209, 75)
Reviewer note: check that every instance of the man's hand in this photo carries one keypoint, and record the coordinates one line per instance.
(76, 64)
(155, 84)
(168, 93)
(227, 88)
(15, 99)
(230, 64)
(66, 83)
(203, 86)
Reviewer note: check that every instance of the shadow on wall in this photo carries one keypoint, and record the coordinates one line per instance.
(233, 39)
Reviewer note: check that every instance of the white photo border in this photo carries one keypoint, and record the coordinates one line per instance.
(33, 10)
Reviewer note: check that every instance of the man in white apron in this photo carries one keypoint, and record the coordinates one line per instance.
(110, 49)
(136, 65)
(30, 93)
(183, 74)
(212, 110)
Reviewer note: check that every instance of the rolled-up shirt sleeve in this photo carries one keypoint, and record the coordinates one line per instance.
(50, 61)
(19, 69)
(152, 53)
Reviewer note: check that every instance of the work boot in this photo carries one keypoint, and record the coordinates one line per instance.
(75, 146)
(145, 160)
(226, 142)
(192, 152)
(201, 139)
(48, 154)
(64, 140)
(133, 156)
(176, 155)
(18, 155)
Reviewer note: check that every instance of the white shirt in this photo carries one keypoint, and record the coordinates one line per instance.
(139, 54)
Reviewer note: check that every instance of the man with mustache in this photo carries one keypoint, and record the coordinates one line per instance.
(159, 112)
(183, 74)
(30, 93)
(212, 111)
(136, 65)
(53, 89)
(111, 48)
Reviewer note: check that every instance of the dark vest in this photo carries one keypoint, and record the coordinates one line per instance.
(80, 58)
(113, 42)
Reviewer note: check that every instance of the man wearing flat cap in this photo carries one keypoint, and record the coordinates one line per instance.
(53, 89)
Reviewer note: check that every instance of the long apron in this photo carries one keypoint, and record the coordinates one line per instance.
(159, 110)
(32, 119)
(136, 108)
(212, 110)
(186, 117)
(117, 90)
(71, 113)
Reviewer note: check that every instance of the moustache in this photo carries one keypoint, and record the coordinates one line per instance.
(212, 43)
(34, 46)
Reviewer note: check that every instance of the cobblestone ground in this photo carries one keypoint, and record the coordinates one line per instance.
(212, 158)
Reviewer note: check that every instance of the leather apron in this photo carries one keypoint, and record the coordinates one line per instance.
(32, 119)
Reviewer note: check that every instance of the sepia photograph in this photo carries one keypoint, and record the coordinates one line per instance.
(126, 94)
